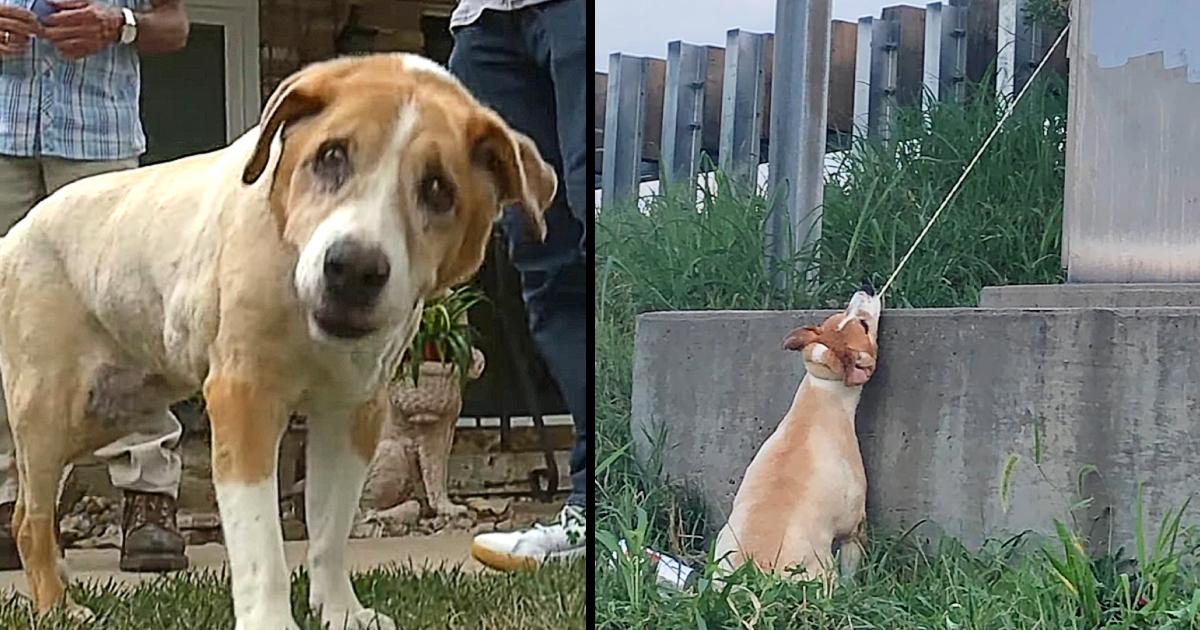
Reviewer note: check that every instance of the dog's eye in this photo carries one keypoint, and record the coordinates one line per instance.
(437, 193)
(332, 163)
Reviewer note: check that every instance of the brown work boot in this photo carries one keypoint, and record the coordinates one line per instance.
(10, 558)
(152, 539)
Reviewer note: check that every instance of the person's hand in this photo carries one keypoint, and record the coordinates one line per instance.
(80, 27)
(17, 25)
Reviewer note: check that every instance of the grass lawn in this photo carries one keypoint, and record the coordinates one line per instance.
(551, 598)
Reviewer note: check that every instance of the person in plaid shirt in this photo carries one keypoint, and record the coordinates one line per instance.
(69, 86)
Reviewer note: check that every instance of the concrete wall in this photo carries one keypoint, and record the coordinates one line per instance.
(956, 393)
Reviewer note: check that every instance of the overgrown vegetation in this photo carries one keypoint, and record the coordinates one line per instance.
(1003, 228)
(1018, 584)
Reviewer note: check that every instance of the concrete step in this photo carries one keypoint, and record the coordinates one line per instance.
(1100, 295)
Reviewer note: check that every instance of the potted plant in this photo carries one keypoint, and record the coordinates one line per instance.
(426, 399)
(444, 336)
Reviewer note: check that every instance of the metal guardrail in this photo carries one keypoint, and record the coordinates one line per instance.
(656, 117)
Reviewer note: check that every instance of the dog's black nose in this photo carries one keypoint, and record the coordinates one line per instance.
(868, 287)
(355, 273)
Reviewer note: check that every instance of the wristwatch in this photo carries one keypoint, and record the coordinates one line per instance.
(129, 30)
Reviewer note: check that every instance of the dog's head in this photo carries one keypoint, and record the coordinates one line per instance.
(843, 348)
(388, 180)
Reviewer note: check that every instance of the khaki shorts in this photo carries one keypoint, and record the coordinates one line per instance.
(26, 181)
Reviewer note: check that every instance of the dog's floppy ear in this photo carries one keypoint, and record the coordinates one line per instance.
(521, 175)
(800, 337)
(299, 95)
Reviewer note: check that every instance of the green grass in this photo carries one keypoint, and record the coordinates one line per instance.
(1003, 228)
(1017, 584)
(551, 598)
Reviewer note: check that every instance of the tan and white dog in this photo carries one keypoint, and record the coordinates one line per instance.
(283, 273)
(805, 490)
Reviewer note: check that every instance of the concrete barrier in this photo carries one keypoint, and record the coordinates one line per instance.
(1094, 295)
(956, 394)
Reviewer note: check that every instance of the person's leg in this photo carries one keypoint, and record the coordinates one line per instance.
(501, 60)
(556, 32)
(506, 59)
(58, 172)
(145, 464)
(21, 183)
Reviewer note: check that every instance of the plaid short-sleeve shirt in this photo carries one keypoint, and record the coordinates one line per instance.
(85, 109)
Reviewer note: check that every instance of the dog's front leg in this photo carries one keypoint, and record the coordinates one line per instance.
(340, 446)
(247, 423)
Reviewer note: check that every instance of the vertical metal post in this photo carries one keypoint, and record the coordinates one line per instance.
(683, 113)
(598, 121)
(799, 101)
(862, 76)
(885, 40)
(624, 124)
(897, 65)
(953, 63)
(1007, 34)
(742, 104)
(946, 50)
(932, 76)
(1076, 49)
(1020, 46)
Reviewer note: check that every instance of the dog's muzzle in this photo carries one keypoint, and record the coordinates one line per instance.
(354, 275)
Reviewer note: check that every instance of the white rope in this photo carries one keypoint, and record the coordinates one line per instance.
(970, 165)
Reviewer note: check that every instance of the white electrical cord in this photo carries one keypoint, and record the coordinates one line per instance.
(974, 160)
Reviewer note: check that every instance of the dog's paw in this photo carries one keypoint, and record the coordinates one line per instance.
(364, 619)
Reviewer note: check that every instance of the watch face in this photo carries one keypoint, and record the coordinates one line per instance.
(43, 9)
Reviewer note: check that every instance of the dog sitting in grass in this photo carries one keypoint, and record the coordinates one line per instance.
(805, 491)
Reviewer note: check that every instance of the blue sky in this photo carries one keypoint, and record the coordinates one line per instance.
(643, 27)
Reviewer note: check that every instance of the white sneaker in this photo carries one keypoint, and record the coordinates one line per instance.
(563, 540)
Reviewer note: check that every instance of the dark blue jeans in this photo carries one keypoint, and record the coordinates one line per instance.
(530, 66)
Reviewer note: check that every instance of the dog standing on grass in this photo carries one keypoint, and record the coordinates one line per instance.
(805, 491)
(284, 273)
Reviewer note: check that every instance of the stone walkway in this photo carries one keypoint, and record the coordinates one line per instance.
(451, 548)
